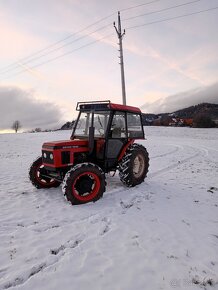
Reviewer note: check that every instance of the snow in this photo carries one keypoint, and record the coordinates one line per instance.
(162, 234)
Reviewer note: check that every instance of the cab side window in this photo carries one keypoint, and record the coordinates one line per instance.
(135, 129)
(118, 127)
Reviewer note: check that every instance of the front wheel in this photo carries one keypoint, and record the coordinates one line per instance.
(40, 181)
(84, 183)
(133, 167)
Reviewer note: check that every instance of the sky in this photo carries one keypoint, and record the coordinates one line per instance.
(49, 61)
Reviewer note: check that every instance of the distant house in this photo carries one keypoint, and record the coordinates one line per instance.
(181, 122)
(188, 122)
(173, 122)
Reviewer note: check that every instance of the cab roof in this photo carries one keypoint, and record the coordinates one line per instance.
(105, 106)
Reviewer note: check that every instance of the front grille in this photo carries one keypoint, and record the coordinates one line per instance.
(47, 157)
(65, 157)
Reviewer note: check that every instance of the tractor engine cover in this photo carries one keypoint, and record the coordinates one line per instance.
(57, 154)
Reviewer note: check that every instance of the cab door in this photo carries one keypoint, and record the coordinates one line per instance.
(117, 138)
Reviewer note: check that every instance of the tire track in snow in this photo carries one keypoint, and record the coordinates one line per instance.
(207, 151)
(178, 147)
(175, 165)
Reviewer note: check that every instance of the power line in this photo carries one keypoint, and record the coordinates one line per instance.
(131, 27)
(161, 10)
(59, 41)
(171, 18)
(60, 56)
(68, 37)
(140, 5)
(17, 64)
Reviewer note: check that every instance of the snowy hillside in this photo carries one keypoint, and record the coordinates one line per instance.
(162, 234)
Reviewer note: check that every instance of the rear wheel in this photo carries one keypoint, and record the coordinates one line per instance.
(40, 181)
(133, 167)
(84, 183)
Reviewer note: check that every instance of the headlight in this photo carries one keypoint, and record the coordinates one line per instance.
(51, 156)
(44, 155)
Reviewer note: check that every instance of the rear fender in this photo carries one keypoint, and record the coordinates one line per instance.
(129, 143)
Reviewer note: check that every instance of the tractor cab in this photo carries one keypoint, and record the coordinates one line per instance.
(109, 128)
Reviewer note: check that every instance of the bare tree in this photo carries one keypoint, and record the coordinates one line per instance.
(16, 126)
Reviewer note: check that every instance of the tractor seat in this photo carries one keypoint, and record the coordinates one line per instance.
(116, 133)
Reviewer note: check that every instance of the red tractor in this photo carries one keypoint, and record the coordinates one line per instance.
(102, 141)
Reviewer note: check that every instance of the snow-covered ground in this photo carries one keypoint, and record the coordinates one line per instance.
(162, 234)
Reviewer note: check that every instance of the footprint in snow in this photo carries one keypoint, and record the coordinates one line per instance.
(69, 245)
(57, 250)
(212, 189)
(106, 227)
(172, 257)
(126, 205)
(188, 224)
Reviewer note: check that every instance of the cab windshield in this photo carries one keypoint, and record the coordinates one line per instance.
(100, 123)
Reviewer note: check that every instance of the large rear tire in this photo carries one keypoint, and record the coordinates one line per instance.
(39, 181)
(133, 167)
(84, 183)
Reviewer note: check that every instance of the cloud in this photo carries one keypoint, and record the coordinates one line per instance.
(182, 100)
(175, 65)
(18, 104)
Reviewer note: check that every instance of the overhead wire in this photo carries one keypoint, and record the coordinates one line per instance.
(101, 28)
(59, 41)
(139, 5)
(60, 56)
(31, 56)
(17, 65)
(161, 10)
(172, 18)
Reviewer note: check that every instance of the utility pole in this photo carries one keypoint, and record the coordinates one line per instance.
(120, 37)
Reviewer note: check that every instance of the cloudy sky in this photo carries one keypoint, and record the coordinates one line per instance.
(49, 59)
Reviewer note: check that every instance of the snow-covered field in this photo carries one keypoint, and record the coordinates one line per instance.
(162, 234)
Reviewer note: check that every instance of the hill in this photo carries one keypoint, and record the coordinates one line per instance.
(67, 126)
(184, 116)
(204, 108)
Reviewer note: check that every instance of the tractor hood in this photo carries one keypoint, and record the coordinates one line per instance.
(65, 144)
